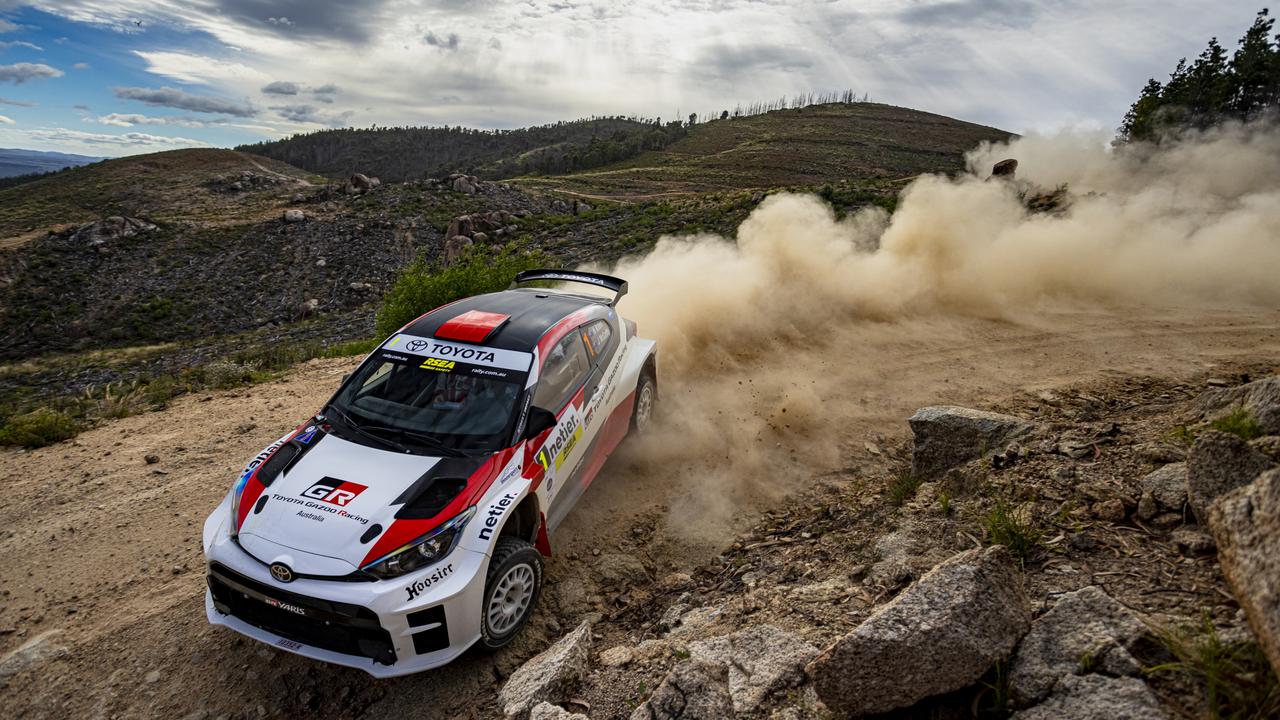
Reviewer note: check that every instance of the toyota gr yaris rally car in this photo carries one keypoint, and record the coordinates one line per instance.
(407, 520)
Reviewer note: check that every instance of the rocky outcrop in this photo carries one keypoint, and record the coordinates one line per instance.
(1246, 525)
(482, 227)
(693, 690)
(116, 227)
(1097, 697)
(941, 634)
(760, 660)
(1219, 463)
(35, 651)
(947, 436)
(1163, 490)
(1260, 398)
(548, 676)
(362, 183)
(294, 216)
(1086, 631)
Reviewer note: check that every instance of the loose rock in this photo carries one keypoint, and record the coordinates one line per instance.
(1246, 525)
(691, 691)
(547, 711)
(1260, 398)
(947, 436)
(38, 649)
(760, 660)
(1087, 623)
(1219, 463)
(548, 675)
(1097, 697)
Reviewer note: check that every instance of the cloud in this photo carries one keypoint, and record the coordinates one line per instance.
(448, 42)
(22, 72)
(200, 69)
(956, 13)
(6, 26)
(131, 119)
(328, 89)
(281, 87)
(731, 62)
(81, 66)
(4, 120)
(19, 43)
(303, 113)
(124, 139)
(15, 103)
(84, 108)
(286, 22)
(174, 98)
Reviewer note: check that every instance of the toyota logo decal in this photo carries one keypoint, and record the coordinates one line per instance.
(281, 572)
(415, 345)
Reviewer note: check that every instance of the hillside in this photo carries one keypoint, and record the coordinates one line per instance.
(409, 153)
(194, 185)
(857, 142)
(25, 162)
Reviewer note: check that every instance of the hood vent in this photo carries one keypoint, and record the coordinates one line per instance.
(434, 497)
(277, 463)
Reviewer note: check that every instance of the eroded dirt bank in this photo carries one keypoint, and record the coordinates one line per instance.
(102, 550)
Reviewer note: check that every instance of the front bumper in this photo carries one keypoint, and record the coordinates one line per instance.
(387, 628)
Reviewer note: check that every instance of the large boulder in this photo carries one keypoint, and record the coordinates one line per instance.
(1086, 631)
(360, 181)
(760, 660)
(1220, 462)
(1246, 525)
(455, 247)
(1097, 697)
(693, 690)
(1261, 398)
(548, 676)
(465, 184)
(941, 634)
(947, 436)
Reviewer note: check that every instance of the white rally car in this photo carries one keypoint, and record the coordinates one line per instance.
(407, 520)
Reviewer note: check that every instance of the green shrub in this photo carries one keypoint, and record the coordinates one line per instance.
(1240, 422)
(38, 428)
(1235, 677)
(902, 488)
(1015, 530)
(422, 286)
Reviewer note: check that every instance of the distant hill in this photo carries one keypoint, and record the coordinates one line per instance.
(856, 142)
(14, 161)
(159, 186)
(409, 153)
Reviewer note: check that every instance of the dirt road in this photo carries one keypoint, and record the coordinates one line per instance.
(100, 552)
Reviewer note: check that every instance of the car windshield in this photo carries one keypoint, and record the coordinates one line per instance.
(423, 398)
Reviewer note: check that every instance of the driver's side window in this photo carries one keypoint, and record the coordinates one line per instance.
(563, 372)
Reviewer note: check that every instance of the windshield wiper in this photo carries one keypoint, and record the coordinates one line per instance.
(346, 419)
(421, 437)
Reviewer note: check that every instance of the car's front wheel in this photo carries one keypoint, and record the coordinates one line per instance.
(646, 403)
(511, 591)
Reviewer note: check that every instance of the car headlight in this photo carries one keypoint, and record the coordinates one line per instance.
(424, 551)
(236, 491)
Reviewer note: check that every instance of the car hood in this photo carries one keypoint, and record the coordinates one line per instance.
(336, 500)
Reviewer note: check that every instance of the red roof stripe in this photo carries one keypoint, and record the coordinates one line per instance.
(472, 326)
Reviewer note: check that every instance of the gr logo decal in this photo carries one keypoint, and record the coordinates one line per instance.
(334, 491)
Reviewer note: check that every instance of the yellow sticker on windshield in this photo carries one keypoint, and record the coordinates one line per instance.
(437, 364)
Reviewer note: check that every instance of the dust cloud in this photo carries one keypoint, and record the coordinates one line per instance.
(759, 339)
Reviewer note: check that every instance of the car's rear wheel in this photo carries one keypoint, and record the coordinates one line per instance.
(646, 403)
(511, 591)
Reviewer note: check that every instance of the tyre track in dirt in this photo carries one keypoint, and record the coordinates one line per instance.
(102, 549)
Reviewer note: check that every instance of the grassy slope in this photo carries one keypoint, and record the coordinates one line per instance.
(862, 142)
(160, 186)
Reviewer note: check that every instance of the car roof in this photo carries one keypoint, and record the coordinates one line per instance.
(532, 311)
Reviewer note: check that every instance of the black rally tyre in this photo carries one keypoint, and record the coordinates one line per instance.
(646, 403)
(511, 590)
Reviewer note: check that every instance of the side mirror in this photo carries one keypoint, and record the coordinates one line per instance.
(540, 420)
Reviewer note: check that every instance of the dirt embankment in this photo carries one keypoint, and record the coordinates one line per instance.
(100, 551)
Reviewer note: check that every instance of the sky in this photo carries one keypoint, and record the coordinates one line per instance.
(120, 77)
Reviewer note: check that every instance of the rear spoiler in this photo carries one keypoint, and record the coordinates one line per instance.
(608, 282)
